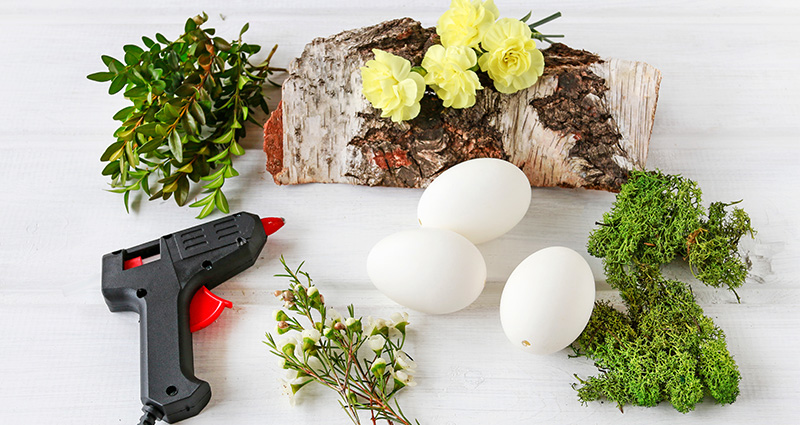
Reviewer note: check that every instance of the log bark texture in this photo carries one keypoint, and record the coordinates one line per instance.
(586, 123)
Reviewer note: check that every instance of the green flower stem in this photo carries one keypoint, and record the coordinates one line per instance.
(545, 20)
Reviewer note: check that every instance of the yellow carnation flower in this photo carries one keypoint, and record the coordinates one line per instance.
(448, 73)
(511, 59)
(390, 86)
(465, 23)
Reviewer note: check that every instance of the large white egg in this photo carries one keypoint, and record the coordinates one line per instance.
(547, 300)
(429, 270)
(481, 199)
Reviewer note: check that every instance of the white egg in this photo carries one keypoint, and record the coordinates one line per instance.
(429, 270)
(547, 300)
(481, 199)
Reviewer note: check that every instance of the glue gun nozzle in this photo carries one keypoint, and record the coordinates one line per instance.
(272, 224)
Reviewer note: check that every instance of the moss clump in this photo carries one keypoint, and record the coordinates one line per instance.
(662, 347)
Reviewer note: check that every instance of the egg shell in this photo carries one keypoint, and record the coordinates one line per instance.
(481, 199)
(429, 270)
(547, 300)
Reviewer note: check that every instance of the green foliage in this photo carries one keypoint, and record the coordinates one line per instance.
(662, 347)
(190, 98)
(361, 359)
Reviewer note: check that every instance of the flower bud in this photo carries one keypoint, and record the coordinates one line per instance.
(280, 315)
(310, 338)
(312, 291)
(328, 332)
(352, 324)
(378, 367)
(281, 328)
(339, 326)
(287, 346)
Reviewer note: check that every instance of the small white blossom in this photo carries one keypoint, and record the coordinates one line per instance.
(311, 291)
(395, 333)
(403, 378)
(404, 363)
(310, 338)
(312, 334)
(374, 326)
(376, 343)
(399, 317)
(288, 345)
(332, 316)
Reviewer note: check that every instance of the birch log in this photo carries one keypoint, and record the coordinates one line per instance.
(586, 123)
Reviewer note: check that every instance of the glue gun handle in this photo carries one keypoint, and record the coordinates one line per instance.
(168, 383)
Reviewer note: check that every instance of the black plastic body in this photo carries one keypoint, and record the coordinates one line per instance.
(161, 290)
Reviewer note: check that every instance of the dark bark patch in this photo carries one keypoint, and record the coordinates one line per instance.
(577, 108)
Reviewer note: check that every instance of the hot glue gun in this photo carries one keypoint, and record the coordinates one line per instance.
(166, 281)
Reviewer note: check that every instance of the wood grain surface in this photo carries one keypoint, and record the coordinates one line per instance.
(727, 117)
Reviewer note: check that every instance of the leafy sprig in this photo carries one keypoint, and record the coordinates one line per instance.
(190, 100)
(361, 359)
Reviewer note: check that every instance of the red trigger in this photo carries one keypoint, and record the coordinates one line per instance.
(205, 308)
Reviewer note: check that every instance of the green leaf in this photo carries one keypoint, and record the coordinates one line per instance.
(137, 91)
(222, 202)
(101, 76)
(150, 146)
(111, 168)
(114, 147)
(124, 113)
(117, 84)
(189, 124)
(113, 65)
(245, 111)
(218, 156)
(171, 110)
(237, 149)
(175, 146)
(134, 49)
(156, 195)
(230, 172)
(526, 17)
(208, 209)
(131, 58)
(244, 29)
(148, 42)
(242, 81)
(217, 173)
(221, 44)
(132, 159)
(125, 199)
(161, 39)
(185, 169)
(216, 183)
(225, 138)
(182, 194)
(148, 129)
(197, 113)
(204, 201)
(185, 90)
(190, 25)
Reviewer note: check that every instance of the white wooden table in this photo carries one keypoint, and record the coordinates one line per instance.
(728, 116)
